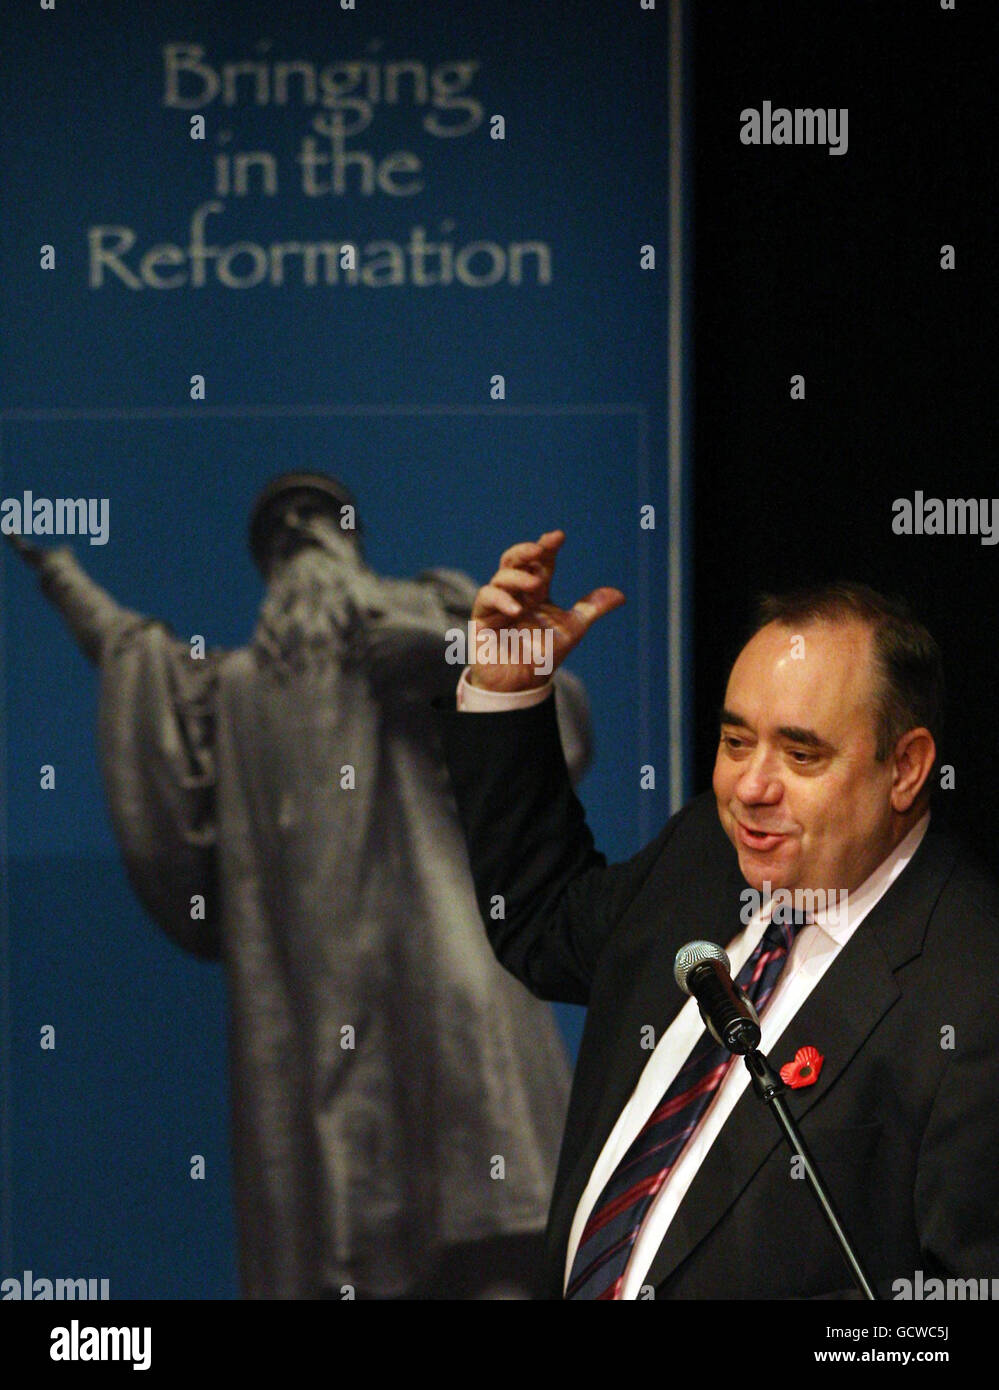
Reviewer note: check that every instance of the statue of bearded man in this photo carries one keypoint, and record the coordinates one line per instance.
(284, 808)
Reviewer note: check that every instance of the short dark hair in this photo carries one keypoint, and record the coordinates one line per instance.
(906, 655)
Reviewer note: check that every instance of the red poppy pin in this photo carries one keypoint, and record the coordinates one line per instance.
(804, 1070)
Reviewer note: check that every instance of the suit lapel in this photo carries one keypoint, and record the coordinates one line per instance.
(654, 998)
(837, 1018)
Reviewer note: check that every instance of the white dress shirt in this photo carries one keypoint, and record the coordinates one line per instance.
(814, 950)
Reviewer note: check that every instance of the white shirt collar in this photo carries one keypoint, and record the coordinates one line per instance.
(840, 925)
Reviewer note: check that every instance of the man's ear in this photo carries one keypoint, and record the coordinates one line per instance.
(914, 756)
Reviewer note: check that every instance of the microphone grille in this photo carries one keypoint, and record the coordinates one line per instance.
(693, 954)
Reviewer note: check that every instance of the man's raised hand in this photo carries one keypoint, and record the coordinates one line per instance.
(517, 597)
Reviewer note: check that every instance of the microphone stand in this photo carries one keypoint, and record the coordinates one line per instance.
(768, 1086)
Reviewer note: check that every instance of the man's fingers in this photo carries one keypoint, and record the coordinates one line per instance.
(520, 554)
(516, 579)
(524, 574)
(542, 551)
(492, 599)
(596, 604)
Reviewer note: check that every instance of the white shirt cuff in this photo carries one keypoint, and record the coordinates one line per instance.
(474, 700)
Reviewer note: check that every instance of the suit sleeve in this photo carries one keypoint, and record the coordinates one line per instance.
(547, 897)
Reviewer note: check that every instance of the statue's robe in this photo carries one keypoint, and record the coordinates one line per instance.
(394, 1091)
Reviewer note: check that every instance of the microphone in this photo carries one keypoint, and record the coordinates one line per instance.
(702, 969)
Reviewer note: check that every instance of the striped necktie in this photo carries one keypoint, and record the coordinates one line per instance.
(612, 1229)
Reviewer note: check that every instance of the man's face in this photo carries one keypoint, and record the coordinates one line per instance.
(799, 792)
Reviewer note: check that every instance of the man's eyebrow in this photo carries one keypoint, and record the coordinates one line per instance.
(806, 736)
(727, 716)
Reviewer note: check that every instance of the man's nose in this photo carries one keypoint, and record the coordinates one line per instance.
(759, 781)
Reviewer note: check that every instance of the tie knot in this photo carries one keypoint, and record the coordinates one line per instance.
(784, 926)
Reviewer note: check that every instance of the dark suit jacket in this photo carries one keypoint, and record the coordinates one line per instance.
(905, 1128)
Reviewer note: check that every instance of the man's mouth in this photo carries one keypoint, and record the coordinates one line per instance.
(762, 840)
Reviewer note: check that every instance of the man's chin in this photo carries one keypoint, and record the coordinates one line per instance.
(757, 871)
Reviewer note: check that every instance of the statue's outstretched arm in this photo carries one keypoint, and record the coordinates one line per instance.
(93, 617)
(156, 738)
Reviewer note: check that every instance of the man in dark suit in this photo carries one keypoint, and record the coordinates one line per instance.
(890, 977)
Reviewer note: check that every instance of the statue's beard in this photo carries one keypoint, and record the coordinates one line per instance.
(309, 617)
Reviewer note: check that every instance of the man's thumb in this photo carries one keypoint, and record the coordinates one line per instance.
(597, 603)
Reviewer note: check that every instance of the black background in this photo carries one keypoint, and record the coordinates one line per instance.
(830, 266)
